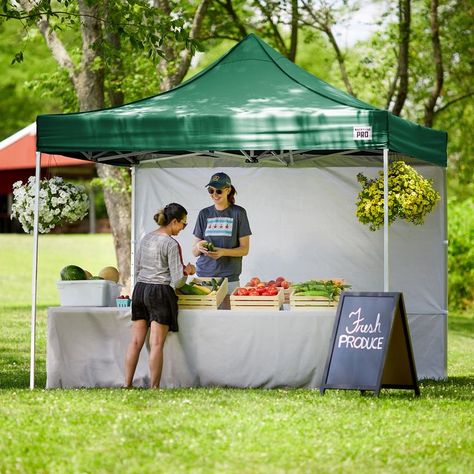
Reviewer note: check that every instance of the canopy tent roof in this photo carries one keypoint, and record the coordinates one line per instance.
(252, 102)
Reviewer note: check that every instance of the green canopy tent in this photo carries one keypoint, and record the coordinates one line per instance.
(252, 107)
(252, 98)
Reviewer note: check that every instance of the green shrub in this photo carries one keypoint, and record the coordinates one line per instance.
(461, 253)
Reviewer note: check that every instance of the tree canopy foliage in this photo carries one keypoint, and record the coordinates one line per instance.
(73, 55)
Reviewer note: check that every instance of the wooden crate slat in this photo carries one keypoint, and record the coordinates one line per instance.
(308, 302)
(204, 301)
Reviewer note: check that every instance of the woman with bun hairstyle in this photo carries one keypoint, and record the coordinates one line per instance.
(160, 270)
(226, 226)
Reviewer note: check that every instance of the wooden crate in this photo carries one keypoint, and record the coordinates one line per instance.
(309, 302)
(257, 302)
(212, 301)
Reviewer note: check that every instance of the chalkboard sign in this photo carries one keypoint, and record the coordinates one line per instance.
(371, 345)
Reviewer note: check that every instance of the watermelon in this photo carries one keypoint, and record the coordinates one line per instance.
(73, 272)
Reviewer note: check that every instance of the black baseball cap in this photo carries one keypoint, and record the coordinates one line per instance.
(219, 180)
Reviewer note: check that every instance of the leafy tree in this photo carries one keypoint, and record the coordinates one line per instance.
(19, 105)
(419, 64)
(95, 67)
(461, 253)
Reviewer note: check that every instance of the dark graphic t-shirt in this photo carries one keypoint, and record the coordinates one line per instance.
(223, 229)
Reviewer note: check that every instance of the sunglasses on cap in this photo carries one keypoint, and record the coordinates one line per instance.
(212, 191)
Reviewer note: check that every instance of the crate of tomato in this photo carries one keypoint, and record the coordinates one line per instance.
(279, 282)
(261, 296)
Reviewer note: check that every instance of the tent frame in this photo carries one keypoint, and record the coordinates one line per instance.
(313, 123)
(218, 154)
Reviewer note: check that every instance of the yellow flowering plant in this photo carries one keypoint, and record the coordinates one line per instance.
(410, 196)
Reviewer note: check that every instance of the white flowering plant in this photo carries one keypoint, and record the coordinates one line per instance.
(410, 196)
(59, 202)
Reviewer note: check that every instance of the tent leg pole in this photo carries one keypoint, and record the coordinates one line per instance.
(132, 230)
(445, 240)
(386, 268)
(34, 276)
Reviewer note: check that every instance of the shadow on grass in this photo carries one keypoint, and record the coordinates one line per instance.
(455, 388)
(15, 370)
(20, 380)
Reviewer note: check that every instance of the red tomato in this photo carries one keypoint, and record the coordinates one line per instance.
(260, 285)
(285, 284)
(243, 292)
(273, 291)
(279, 279)
(253, 293)
(255, 281)
(271, 282)
(265, 293)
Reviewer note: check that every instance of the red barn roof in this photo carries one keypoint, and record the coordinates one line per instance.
(17, 152)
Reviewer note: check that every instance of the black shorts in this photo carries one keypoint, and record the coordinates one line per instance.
(153, 302)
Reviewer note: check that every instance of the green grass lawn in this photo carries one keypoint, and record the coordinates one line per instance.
(212, 430)
(54, 252)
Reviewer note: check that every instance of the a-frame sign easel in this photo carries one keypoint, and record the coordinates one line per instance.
(371, 345)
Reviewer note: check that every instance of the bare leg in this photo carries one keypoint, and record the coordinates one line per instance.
(158, 333)
(139, 330)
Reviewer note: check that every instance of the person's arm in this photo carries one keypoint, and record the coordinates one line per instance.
(178, 278)
(241, 251)
(198, 233)
(138, 260)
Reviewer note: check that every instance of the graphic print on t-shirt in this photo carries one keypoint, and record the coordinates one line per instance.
(219, 227)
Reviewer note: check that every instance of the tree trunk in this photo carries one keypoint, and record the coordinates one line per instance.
(340, 60)
(294, 30)
(88, 82)
(322, 20)
(175, 65)
(438, 61)
(118, 205)
(404, 42)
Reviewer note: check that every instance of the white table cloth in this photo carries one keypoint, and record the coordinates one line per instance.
(86, 348)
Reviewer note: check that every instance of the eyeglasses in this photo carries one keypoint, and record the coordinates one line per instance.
(212, 191)
(184, 224)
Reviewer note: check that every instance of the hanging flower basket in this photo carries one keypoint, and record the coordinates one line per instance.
(59, 203)
(410, 196)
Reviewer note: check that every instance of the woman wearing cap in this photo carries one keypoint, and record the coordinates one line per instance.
(226, 226)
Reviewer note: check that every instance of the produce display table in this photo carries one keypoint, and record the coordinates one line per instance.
(86, 348)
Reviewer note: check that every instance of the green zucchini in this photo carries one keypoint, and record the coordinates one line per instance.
(193, 290)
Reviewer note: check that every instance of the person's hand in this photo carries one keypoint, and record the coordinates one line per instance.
(190, 269)
(199, 246)
(218, 253)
